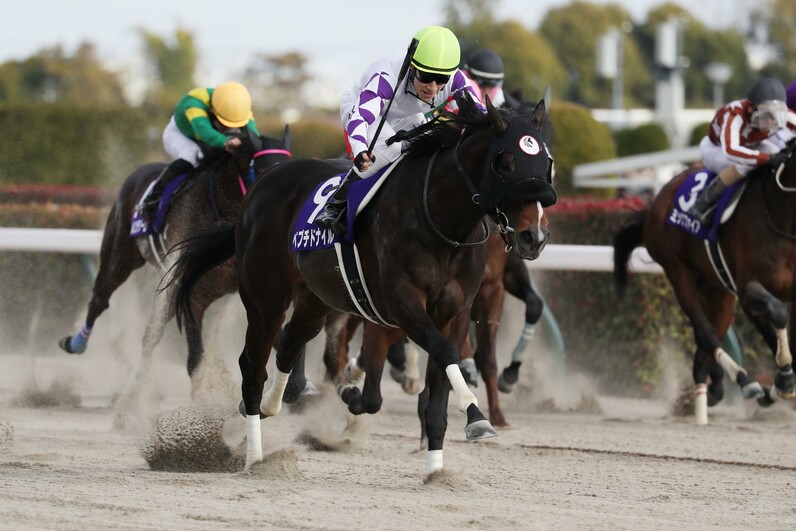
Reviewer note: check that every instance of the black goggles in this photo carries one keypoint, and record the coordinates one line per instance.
(428, 77)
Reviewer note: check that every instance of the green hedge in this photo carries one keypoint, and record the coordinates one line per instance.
(618, 342)
(61, 144)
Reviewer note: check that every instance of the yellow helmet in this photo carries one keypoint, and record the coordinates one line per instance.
(232, 104)
(437, 51)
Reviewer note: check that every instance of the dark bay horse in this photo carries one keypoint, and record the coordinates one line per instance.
(505, 272)
(420, 251)
(214, 193)
(758, 244)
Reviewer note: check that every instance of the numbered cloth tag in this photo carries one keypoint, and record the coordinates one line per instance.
(686, 196)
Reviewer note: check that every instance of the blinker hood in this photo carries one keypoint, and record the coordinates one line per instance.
(530, 179)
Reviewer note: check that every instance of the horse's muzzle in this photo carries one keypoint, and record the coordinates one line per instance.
(529, 243)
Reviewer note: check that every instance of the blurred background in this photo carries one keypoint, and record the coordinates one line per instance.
(87, 87)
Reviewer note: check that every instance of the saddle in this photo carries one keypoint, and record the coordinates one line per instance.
(149, 214)
(687, 194)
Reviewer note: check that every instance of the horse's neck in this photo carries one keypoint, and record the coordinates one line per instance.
(451, 203)
(773, 205)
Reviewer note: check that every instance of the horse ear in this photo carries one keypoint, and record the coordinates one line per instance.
(256, 141)
(499, 124)
(287, 137)
(538, 114)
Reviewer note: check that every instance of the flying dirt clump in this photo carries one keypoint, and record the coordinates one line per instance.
(190, 439)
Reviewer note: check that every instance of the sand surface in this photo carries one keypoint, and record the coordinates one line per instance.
(71, 459)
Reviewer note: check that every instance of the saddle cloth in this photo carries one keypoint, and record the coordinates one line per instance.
(307, 236)
(686, 195)
(142, 226)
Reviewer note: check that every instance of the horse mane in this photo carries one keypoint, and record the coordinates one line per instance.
(445, 133)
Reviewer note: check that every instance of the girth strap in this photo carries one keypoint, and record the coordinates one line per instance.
(351, 270)
(720, 265)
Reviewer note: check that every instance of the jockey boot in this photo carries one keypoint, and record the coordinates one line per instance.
(333, 214)
(706, 202)
(173, 170)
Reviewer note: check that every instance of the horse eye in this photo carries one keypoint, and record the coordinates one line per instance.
(504, 163)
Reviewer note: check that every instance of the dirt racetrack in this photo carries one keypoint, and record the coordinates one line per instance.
(570, 460)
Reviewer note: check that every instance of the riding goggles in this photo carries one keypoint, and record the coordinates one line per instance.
(428, 77)
(770, 115)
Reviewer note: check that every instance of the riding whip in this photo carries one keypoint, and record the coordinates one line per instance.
(410, 52)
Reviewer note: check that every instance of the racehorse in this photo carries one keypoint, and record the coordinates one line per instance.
(213, 194)
(420, 250)
(755, 257)
(505, 272)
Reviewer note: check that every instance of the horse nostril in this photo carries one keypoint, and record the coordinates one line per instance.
(527, 238)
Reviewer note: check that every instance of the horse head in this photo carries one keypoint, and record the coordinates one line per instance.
(517, 178)
(271, 152)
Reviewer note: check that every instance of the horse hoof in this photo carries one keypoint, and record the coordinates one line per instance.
(752, 390)
(310, 389)
(411, 386)
(504, 385)
(397, 375)
(480, 429)
(242, 410)
(766, 400)
(785, 383)
(66, 345)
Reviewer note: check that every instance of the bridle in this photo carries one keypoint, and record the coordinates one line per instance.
(499, 217)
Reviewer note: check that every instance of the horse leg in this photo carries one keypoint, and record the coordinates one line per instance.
(119, 257)
(417, 323)
(336, 342)
(375, 342)
(309, 316)
(758, 302)
(433, 413)
(404, 369)
(708, 348)
(719, 307)
(297, 383)
(517, 282)
(488, 308)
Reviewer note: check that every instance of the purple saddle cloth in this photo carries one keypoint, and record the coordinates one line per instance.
(687, 194)
(142, 226)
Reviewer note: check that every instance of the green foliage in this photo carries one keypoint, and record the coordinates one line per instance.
(66, 144)
(175, 64)
(530, 63)
(698, 133)
(642, 139)
(579, 139)
(314, 136)
(51, 75)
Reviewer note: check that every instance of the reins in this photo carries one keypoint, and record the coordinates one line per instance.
(431, 224)
(786, 189)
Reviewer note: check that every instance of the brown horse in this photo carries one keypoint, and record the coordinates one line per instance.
(757, 252)
(214, 193)
(419, 247)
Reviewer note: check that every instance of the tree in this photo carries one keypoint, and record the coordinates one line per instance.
(780, 19)
(573, 31)
(277, 82)
(51, 75)
(173, 65)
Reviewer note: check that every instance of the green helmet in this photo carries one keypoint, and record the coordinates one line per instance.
(437, 51)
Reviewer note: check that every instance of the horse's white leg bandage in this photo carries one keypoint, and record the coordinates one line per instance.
(701, 404)
(728, 364)
(254, 443)
(784, 357)
(460, 389)
(272, 402)
(518, 354)
(434, 460)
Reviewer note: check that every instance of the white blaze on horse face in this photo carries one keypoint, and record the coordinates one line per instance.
(322, 195)
(539, 228)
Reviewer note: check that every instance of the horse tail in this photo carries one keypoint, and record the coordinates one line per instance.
(628, 237)
(198, 255)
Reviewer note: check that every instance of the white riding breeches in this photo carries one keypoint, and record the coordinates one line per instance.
(179, 146)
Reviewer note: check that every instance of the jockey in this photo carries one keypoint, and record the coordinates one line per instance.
(485, 68)
(433, 76)
(743, 134)
(204, 119)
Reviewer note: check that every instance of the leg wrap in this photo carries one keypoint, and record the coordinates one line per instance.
(272, 403)
(463, 394)
(254, 443)
(518, 354)
(434, 460)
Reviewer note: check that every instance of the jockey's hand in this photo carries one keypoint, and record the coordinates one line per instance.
(232, 144)
(778, 158)
(363, 161)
